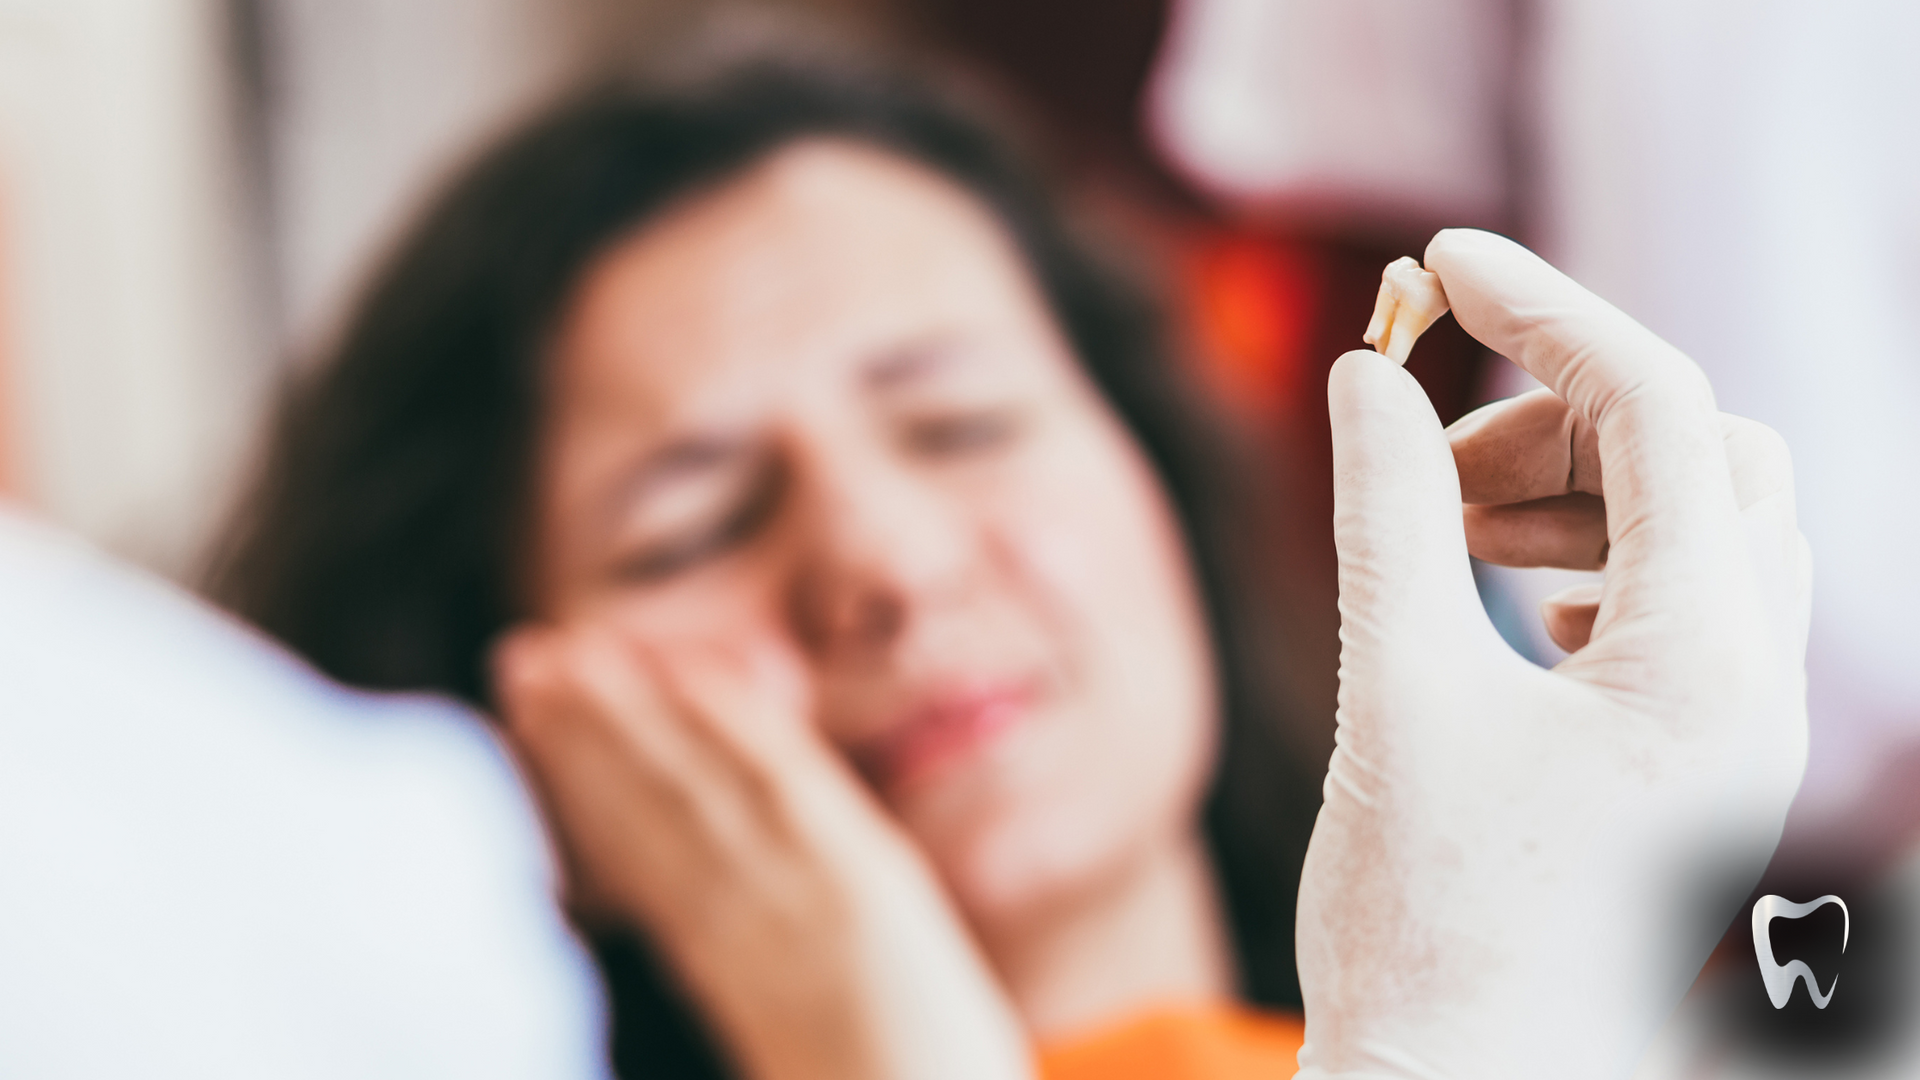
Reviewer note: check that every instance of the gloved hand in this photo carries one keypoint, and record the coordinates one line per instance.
(1506, 878)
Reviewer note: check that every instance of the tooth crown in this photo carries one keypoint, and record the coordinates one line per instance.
(1410, 300)
(1778, 977)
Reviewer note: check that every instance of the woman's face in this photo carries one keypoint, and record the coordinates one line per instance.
(822, 415)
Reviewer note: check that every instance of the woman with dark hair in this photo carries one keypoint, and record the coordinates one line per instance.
(791, 379)
(878, 622)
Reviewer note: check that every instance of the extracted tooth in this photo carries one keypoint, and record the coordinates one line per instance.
(1410, 300)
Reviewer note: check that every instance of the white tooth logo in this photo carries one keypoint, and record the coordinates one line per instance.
(1780, 979)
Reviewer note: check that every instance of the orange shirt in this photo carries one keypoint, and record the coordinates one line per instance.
(1200, 1042)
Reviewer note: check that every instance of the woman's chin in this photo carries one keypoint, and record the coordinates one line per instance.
(1014, 869)
(1017, 829)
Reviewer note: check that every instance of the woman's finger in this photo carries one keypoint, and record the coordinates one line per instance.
(752, 727)
(1568, 532)
(581, 691)
(607, 772)
(746, 704)
(617, 754)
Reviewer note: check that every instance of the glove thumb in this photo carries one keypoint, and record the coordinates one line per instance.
(1407, 599)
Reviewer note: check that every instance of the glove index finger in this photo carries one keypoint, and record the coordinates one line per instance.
(1672, 521)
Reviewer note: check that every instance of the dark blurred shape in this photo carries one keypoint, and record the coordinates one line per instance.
(653, 1032)
(1081, 62)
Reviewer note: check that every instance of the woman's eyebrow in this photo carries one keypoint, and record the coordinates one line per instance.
(906, 364)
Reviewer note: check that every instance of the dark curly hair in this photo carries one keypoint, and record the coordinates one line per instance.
(381, 539)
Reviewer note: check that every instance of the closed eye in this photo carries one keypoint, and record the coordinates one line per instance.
(686, 547)
(963, 433)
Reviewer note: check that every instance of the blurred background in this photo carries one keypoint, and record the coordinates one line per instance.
(192, 191)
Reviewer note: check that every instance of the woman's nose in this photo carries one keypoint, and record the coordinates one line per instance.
(882, 549)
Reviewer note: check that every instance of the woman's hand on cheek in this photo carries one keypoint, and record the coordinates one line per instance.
(1518, 872)
(695, 800)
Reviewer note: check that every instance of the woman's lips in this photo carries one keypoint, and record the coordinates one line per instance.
(946, 727)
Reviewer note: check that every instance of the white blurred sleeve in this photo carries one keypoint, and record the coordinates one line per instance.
(1358, 110)
(214, 863)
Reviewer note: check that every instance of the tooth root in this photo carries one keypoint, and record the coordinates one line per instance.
(1410, 300)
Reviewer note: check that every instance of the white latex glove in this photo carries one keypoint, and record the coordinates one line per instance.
(1507, 877)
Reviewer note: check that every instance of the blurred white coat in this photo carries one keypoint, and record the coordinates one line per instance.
(216, 864)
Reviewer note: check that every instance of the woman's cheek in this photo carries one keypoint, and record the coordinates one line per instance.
(1102, 544)
(706, 604)
(1095, 532)
(1064, 527)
